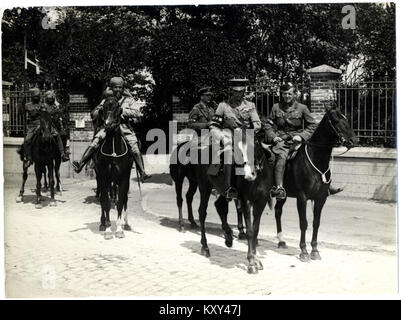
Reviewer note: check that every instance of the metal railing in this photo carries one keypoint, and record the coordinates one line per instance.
(13, 117)
(370, 108)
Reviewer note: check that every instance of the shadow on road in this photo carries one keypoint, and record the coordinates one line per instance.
(159, 178)
(31, 199)
(222, 256)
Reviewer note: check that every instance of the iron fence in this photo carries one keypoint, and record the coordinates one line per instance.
(370, 108)
(13, 117)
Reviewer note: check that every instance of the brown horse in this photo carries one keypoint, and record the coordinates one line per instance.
(308, 176)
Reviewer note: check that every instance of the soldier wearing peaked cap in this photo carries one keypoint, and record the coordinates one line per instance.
(290, 121)
(234, 114)
(130, 112)
(202, 113)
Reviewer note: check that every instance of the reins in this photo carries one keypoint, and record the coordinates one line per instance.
(323, 174)
(114, 155)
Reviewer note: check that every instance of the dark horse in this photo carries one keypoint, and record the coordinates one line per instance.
(57, 163)
(178, 173)
(308, 177)
(253, 196)
(113, 163)
(44, 154)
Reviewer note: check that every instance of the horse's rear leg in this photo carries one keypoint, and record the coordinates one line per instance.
(22, 190)
(193, 185)
(59, 188)
(303, 224)
(221, 205)
(278, 210)
(317, 210)
(240, 221)
(45, 184)
(205, 195)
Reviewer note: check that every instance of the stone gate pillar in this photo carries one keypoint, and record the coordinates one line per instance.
(322, 83)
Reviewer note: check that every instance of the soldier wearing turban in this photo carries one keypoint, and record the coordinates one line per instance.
(130, 111)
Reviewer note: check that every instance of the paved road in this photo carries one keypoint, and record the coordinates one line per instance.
(59, 252)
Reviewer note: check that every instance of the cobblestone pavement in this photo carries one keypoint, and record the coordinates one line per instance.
(59, 252)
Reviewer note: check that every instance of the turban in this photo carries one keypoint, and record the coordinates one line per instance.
(35, 92)
(116, 81)
(50, 95)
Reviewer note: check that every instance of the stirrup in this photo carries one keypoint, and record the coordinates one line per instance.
(230, 194)
(77, 166)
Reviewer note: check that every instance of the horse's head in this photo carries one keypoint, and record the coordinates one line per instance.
(340, 128)
(111, 114)
(45, 125)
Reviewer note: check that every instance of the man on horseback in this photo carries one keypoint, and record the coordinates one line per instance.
(52, 107)
(130, 112)
(290, 123)
(202, 113)
(235, 114)
(33, 110)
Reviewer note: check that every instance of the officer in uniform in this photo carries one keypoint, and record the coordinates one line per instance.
(202, 113)
(32, 112)
(56, 112)
(235, 114)
(290, 123)
(130, 112)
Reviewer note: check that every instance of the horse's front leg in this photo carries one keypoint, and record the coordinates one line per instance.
(122, 204)
(45, 184)
(105, 224)
(317, 210)
(22, 190)
(252, 265)
(240, 221)
(38, 173)
(258, 208)
(59, 188)
(178, 192)
(222, 209)
(278, 210)
(205, 195)
(193, 185)
(303, 224)
(50, 169)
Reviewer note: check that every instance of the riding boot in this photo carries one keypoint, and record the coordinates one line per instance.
(333, 191)
(64, 156)
(278, 191)
(230, 192)
(140, 165)
(79, 165)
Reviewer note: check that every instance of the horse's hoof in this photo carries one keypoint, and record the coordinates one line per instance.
(18, 199)
(38, 206)
(127, 227)
(120, 235)
(242, 236)
(205, 252)
(252, 269)
(282, 245)
(229, 240)
(314, 255)
(102, 228)
(53, 204)
(304, 257)
(259, 265)
(108, 236)
(194, 225)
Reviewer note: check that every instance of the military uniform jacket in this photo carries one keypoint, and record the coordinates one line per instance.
(242, 115)
(33, 114)
(289, 121)
(200, 116)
